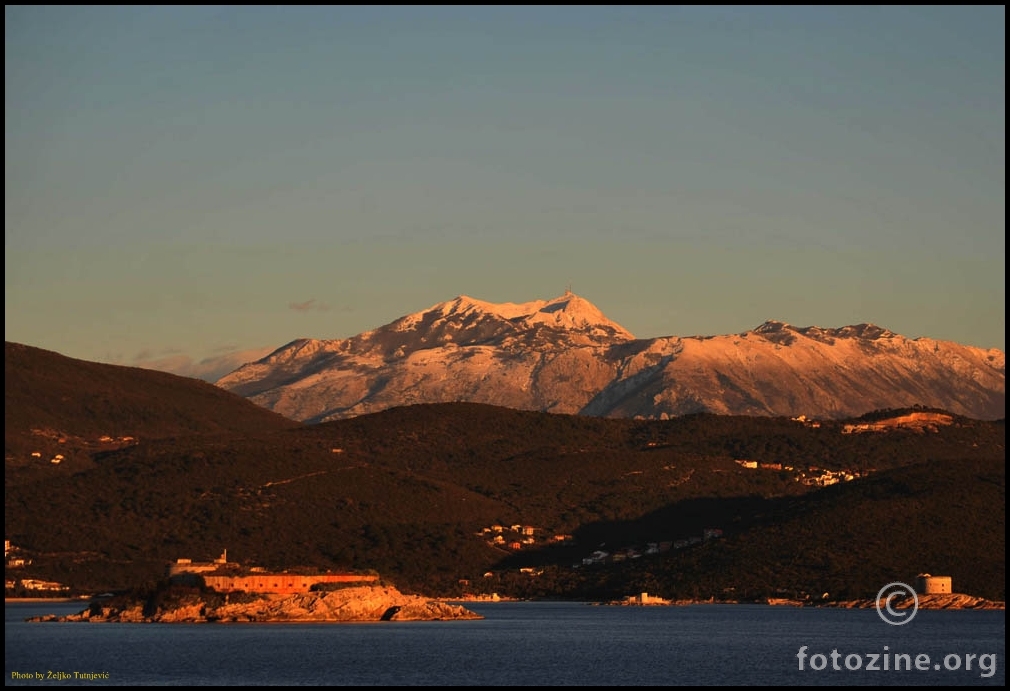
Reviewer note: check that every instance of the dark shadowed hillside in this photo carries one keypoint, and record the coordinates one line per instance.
(49, 397)
(457, 498)
(840, 542)
(43, 389)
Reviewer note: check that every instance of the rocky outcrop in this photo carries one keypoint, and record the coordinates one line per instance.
(932, 601)
(355, 604)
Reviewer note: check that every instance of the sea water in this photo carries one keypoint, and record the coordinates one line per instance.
(520, 643)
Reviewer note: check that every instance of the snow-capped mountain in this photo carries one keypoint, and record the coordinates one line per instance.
(565, 356)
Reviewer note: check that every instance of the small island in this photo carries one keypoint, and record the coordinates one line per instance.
(350, 604)
(223, 591)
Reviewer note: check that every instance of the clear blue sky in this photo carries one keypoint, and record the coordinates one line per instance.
(190, 181)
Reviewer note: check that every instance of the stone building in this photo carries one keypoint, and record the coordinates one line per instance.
(227, 577)
(925, 584)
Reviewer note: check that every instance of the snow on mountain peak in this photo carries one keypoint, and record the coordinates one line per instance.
(861, 331)
(569, 311)
(563, 355)
(572, 311)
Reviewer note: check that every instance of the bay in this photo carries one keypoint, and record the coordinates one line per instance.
(517, 643)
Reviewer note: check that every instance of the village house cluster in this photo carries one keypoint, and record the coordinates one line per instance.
(55, 460)
(104, 441)
(514, 537)
(14, 558)
(621, 554)
(518, 537)
(812, 475)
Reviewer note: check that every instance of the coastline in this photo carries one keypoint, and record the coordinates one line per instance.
(948, 601)
(930, 601)
(393, 598)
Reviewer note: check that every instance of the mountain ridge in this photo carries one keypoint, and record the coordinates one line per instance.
(564, 355)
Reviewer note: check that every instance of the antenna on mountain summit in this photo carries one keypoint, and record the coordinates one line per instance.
(568, 289)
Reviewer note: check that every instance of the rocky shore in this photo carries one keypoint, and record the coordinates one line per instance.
(934, 601)
(945, 601)
(354, 604)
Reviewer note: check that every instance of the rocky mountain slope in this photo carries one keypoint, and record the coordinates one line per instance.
(565, 356)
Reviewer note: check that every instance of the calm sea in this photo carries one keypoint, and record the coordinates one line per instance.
(519, 643)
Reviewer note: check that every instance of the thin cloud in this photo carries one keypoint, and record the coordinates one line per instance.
(144, 356)
(209, 369)
(147, 355)
(308, 305)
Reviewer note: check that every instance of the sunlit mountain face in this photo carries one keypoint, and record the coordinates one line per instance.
(565, 356)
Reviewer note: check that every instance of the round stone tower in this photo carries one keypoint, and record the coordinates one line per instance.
(925, 584)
